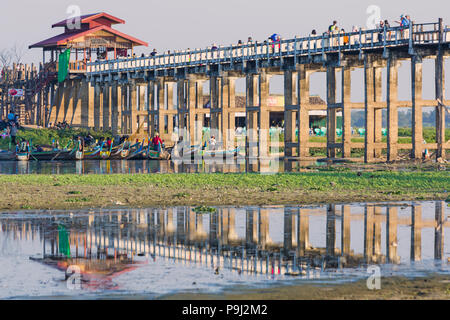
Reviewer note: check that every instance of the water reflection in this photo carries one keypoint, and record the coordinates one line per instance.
(268, 241)
(145, 166)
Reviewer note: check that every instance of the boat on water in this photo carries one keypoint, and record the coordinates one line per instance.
(220, 154)
(23, 151)
(7, 155)
(77, 153)
(201, 152)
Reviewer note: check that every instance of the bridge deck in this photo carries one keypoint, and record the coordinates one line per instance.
(417, 35)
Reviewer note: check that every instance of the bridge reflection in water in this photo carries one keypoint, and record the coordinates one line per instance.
(272, 240)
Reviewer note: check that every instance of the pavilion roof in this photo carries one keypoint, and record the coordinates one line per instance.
(91, 17)
(62, 39)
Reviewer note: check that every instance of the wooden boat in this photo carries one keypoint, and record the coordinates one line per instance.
(104, 155)
(7, 155)
(23, 151)
(220, 154)
(139, 153)
(95, 153)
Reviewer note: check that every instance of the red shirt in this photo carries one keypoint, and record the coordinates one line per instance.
(156, 140)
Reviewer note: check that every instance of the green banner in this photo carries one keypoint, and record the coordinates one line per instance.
(63, 66)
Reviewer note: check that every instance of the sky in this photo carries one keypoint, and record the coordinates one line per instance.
(176, 25)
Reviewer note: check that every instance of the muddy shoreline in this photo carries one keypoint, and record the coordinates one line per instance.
(435, 287)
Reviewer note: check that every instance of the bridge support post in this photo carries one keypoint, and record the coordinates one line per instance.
(251, 117)
(214, 120)
(439, 230)
(87, 103)
(416, 233)
(378, 111)
(345, 230)
(290, 111)
(303, 97)
(132, 118)
(391, 234)
(440, 109)
(170, 106)
(115, 96)
(264, 116)
(416, 92)
(346, 113)
(97, 106)
(192, 104)
(331, 230)
(181, 107)
(160, 108)
(106, 106)
(331, 112)
(392, 108)
(369, 110)
(368, 233)
(302, 232)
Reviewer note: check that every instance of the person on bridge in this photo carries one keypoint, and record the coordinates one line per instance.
(275, 38)
(154, 53)
(333, 28)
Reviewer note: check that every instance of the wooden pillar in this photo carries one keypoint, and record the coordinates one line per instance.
(251, 228)
(369, 110)
(302, 232)
(416, 91)
(106, 107)
(346, 113)
(378, 111)
(290, 109)
(192, 104)
(331, 230)
(264, 116)
(440, 109)
(115, 107)
(345, 229)
(152, 111)
(170, 106)
(181, 107)
(439, 230)
(133, 108)
(392, 109)
(331, 112)
(214, 88)
(416, 233)
(303, 96)
(391, 234)
(368, 233)
(289, 231)
(97, 106)
(160, 106)
(251, 117)
(225, 98)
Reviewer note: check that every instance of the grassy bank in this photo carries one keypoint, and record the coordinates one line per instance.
(435, 287)
(72, 191)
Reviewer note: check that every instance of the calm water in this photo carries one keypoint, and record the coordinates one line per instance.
(154, 252)
(138, 166)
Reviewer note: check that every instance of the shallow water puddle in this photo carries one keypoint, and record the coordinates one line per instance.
(153, 252)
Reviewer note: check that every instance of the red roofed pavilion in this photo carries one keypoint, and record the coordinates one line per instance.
(89, 35)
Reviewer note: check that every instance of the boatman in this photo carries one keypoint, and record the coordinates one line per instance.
(157, 142)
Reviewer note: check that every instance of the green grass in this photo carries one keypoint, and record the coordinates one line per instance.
(393, 181)
(46, 136)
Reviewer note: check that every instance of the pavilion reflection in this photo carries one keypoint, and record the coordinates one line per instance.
(273, 240)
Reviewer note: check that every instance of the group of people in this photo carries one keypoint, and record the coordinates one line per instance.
(11, 127)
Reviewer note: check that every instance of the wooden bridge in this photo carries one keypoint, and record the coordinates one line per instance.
(126, 94)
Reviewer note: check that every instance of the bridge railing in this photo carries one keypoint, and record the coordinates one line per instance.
(312, 45)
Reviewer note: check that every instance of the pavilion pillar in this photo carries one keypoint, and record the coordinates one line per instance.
(392, 108)
(264, 116)
(346, 113)
(331, 112)
(378, 112)
(416, 91)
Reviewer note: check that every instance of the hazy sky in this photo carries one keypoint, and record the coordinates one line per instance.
(176, 24)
